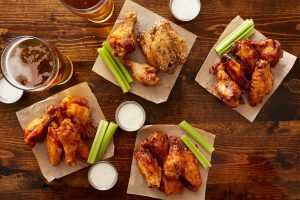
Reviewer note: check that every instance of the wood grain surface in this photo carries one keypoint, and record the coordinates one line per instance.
(259, 160)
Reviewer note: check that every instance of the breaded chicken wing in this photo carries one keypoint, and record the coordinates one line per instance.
(148, 166)
(121, 40)
(54, 146)
(227, 89)
(143, 73)
(261, 83)
(191, 173)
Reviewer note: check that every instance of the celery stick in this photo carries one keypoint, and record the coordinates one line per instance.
(197, 136)
(110, 57)
(97, 141)
(113, 70)
(204, 162)
(229, 39)
(119, 63)
(246, 34)
(111, 129)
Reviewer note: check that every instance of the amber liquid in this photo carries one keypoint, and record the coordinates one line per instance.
(94, 10)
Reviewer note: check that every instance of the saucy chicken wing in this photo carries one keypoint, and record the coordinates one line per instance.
(121, 40)
(269, 50)
(235, 71)
(148, 166)
(171, 186)
(143, 73)
(191, 173)
(227, 89)
(54, 146)
(261, 83)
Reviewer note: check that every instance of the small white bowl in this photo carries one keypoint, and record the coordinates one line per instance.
(179, 16)
(12, 89)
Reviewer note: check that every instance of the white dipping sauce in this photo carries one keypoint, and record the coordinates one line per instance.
(185, 10)
(130, 116)
(8, 93)
(103, 176)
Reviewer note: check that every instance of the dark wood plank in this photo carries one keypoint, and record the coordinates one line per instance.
(257, 160)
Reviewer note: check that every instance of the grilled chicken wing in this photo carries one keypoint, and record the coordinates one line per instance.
(121, 40)
(269, 50)
(247, 53)
(143, 73)
(148, 166)
(54, 146)
(173, 165)
(171, 186)
(191, 173)
(70, 139)
(235, 71)
(158, 143)
(163, 47)
(227, 89)
(261, 83)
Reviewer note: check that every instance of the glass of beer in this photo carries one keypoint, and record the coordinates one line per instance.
(96, 11)
(31, 64)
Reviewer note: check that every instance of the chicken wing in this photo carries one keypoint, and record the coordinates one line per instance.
(121, 40)
(261, 83)
(227, 89)
(235, 71)
(163, 47)
(82, 151)
(148, 166)
(143, 73)
(54, 146)
(158, 143)
(173, 165)
(171, 186)
(269, 50)
(191, 174)
(247, 53)
(70, 139)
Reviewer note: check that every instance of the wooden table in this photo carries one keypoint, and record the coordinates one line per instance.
(259, 160)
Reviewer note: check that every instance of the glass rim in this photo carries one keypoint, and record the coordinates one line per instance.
(83, 9)
(5, 49)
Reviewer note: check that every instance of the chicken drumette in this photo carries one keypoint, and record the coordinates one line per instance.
(121, 40)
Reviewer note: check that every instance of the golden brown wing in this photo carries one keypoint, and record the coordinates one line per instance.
(121, 40)
(261, 83)
(171, 186)
(235, 71)
(145, 40)
(148, 166)
(69, 138)
(173, 165)
(191, 173)
(82, 151)
(143, 73)
(248, 54)
(269, 50)
(54, 146)
(227, 89)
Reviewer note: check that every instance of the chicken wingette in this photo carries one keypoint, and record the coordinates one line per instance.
(54, 146)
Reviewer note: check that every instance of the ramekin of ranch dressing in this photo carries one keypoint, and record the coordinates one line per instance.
(130, 116)
(8, 93)
(103, 175)
(185, 10)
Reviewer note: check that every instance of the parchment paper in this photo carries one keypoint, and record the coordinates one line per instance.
(137, 184)
(146, 19)
(208, 80)
(26, 115)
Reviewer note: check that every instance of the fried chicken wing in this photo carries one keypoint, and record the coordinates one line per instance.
(269, 50)
(158, 143)
(171, 186)
(227, 89)
(148, 166)
(247, 53)
(82, 151)
(173, 165)
(70, 139)
(54, 146)
(121, 40)
(191, 173)
(261, 83)
(163, 47)
(235, 71)
(143, 73)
